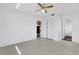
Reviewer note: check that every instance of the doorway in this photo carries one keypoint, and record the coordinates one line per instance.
(38, 29)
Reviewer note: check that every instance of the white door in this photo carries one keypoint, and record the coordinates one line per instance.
(54, 29)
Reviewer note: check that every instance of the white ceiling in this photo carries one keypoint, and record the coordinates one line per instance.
(29, 8)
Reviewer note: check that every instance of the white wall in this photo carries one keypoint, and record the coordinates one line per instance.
(43, 28)
(16, 27)
(75, 27)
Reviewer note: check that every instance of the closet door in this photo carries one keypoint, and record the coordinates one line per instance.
(54, 29)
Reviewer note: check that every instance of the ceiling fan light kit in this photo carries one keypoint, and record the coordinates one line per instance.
(43, 11)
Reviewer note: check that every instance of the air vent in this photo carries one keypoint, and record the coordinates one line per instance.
(52, 14)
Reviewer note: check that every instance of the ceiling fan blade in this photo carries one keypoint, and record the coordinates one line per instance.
(49, 6)
(40, 5)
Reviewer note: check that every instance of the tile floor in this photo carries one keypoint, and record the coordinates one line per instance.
(41, 46)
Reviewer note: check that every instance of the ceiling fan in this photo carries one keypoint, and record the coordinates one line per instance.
(44, 7)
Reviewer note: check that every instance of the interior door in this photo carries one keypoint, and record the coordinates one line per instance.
(54, 29)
